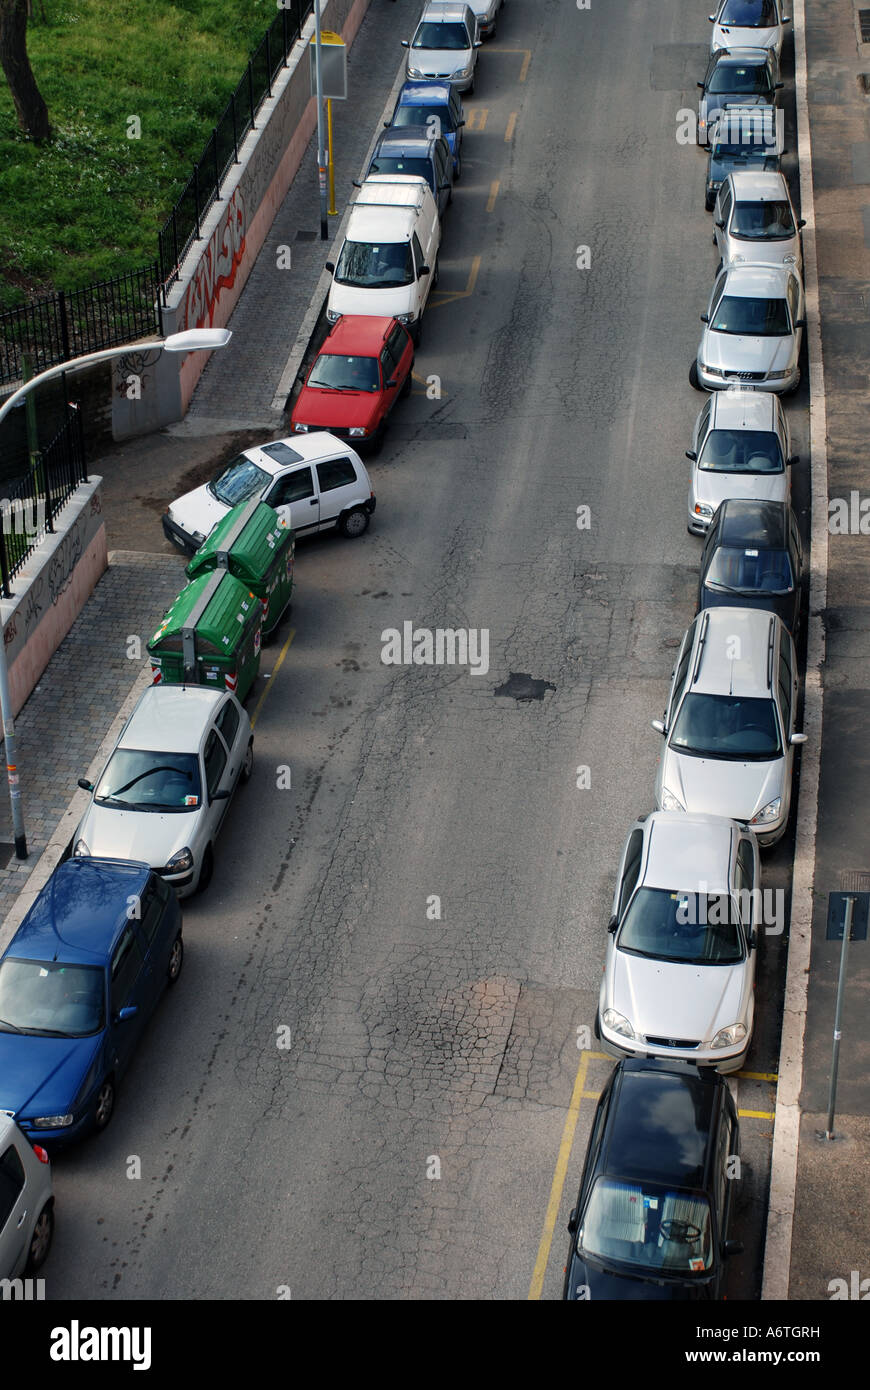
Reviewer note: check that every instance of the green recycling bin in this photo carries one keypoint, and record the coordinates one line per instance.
(253, 544)
(210, 636)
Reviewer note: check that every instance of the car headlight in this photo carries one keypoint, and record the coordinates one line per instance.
(180, 862)
(333, 315)
(711, 371)
(671, 802)
(414, 72)
(729, 1037)
(768, 813)
(735, 260)
(778, 376)
(701, 509)
(300, 429)
(405, 318)
(52, 1121)
(80, 849)
(463, 72)
(789, 260)
(617, 1023)
(357, 432)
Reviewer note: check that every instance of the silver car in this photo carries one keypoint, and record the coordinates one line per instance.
(754, 221)
(680, 968)
(741, 447)
(729, 726)
(164, 792)
(26, 1203)
(753, 330)
(444, 45)
(486, 14)
(750, 24)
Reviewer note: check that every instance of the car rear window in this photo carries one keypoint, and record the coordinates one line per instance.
(335, 473)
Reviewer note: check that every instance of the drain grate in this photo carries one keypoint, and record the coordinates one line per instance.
(855, 881)
(864, 22)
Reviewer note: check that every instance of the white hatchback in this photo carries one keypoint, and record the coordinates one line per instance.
(749, 24)
(26, 1202)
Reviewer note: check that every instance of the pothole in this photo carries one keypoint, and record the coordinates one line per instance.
(521, 686)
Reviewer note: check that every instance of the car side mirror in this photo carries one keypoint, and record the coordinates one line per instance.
(478, 43)
(459, 123)
(330, 265)
(386, 124)
(424, 270)
(222, 795)
(798, 738)
(786, 19)
(778, 86)
(572, 1222)
(406, 43)
(795, 458)
(721, 225)
(130, 1011)
(800, 323)
(356, 183)
(391, 383)
(443, 187)
(85, 785)
(705, 318)
(753, 941)
(658, 725)
(613, 923)
(732, 1247)
(691, 455)
(712, 18)
(802, 221)
(700, 84)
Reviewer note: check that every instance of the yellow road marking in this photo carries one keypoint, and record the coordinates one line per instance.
(448, 296)
(758, 1075)
(511, 125)
(493, 194)
(276, 668)
(476, 118)
(425, 383)
(559, 1177)
(524, 70)
(755, 1115)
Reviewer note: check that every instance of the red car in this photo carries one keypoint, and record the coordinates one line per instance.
(363, 367)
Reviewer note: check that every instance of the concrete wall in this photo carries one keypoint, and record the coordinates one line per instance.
(216, 269)
(52, 589)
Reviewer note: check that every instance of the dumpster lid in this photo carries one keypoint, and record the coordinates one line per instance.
(217, 605)
(251, 534)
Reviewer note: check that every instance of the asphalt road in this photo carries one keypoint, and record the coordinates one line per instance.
(417, 1037)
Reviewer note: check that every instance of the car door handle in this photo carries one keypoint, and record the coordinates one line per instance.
(22, 1220)
(313, 502)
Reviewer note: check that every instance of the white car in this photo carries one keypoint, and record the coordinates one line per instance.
(741, 447)
(444, 45)
(313, 481)
(749, 24)
(679, 976)
(754, 221)
(754, 328)
(163, 794)
(26, 1202)
(486, 13)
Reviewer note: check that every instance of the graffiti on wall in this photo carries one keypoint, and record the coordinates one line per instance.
(217, 267)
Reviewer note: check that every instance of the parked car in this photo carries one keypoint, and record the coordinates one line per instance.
(742, 138)
(388, 262)
(415, 153)
(729, 726)
(26, 1202)
(754, 220)
(361, 370)
(741, 447)
(78, 982)
(749, 23)
(486, 14)
(168, 782)
(445, 45)
(656, 1199)
(736, 77)
(752, 558)
(438, 107)
(313, 482)
(754, 328)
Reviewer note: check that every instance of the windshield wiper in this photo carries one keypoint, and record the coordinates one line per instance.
(149, 772)
(726, 588)
(13, 1027)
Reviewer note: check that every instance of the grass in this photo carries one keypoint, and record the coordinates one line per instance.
(90, 203)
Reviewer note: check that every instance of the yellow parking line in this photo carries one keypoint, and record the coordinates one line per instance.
(476, 118)
(758, 1075)
(559, 1178)
(448, 296)
(511, 126)
(755, 1115)
(493, 194)
(425, 384)
(276, 668)
(524, 70)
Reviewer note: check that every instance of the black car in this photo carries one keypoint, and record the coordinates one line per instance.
(752, 559)
(411, 150)
(651, 1220)
(736, 77)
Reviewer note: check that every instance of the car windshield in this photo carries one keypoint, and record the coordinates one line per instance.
(135, 780)
(761, 150)
(750, 571)
(398, 164)
(749, 14)
(743, 78)
(51, 998)
(687, 928)
(332, 372)
(651, 1228)
(366, 266)
(753, 318)
(741, 451)
(727, 726)
(440, 117)
(762, 221)
(432, 35)
(238, 481)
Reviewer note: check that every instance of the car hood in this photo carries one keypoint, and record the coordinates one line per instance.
(665, 1000)
(151, 837)
(737, 36)
(346, 299)
(330, 409)
(710, 786)
(198, 511)
(440, 62)
(607, 1284)
(713, 488)
(42, 1076)
(732, 352)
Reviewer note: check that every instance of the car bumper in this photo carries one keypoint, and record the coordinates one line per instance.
(709, 382)
(724, 1060)
(53, 1140)
(177, 536)
(181, 884)
(700, 525)
(770, 835)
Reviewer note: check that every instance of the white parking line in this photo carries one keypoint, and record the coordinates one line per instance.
(783, 1174)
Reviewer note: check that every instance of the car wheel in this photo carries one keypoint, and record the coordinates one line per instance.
(355, 523)
(206, 870)
(176, 960)
(791, 390)
(376, 443)
(710, 203)
(406, 385)
(693, 376)
(104, 1105)
(418, 326)
(40, 1241)
(248, 764)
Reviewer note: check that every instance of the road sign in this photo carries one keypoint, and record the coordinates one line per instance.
(837, 916)
(333, 66)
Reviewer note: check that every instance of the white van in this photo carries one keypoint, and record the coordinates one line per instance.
(388, 262)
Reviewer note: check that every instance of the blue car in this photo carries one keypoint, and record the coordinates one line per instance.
(78, 983)
(419, 102)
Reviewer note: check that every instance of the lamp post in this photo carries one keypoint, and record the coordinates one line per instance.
(194, 340)
(321, 152)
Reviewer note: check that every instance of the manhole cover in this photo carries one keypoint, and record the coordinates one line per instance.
(520, 686)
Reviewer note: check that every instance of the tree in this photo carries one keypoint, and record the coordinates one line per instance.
(29, 104)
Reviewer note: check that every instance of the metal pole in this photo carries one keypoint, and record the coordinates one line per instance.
(333, 210)
(321, 152)
(841, 985)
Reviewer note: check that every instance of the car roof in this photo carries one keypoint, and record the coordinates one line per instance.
(756, 279)
(387, 208)
(360, 334)
(744, 630)
(443, 10)
(80, 912)
(761, 186)
(660, 1124)
(300, 448)
(170, 718)
(677, 839)
(745, 521)
(414, 138)
(434, 93)
(744, 410)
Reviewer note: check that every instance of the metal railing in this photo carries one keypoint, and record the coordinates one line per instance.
(30, 507)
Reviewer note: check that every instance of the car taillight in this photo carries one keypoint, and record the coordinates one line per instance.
(40, 1153)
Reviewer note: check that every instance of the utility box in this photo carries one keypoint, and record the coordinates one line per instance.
(256, 548)
(210, 636)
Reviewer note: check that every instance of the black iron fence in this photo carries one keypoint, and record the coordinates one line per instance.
(183, 225)
(29, 508)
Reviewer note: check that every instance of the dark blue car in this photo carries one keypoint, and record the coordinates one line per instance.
(425, 103)
(78, 982)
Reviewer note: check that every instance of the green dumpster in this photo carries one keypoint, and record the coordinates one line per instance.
(210, 636)
(253, 544)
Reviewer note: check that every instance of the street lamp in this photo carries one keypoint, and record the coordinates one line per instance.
(193, 340)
